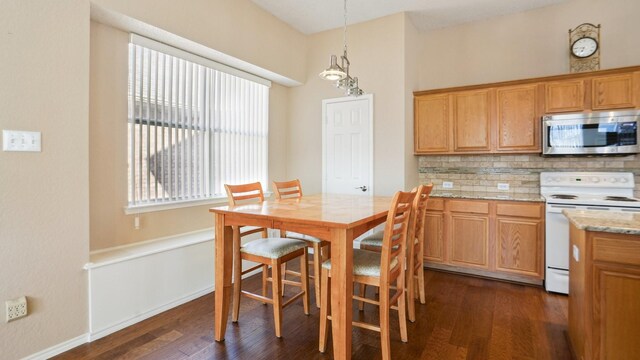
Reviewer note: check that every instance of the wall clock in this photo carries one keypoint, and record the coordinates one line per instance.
(584, 48)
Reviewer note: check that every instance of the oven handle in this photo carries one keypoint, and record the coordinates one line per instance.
(558, 208)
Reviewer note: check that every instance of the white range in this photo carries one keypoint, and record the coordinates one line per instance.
(608, 191)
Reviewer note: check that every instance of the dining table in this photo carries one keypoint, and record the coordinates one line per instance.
(337, 218)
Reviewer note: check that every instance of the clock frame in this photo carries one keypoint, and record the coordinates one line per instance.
(586, 63)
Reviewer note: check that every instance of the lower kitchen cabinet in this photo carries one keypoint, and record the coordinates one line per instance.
(468, 225)
(500, 239)
(519, 234)
(434, 246)
(604, 288)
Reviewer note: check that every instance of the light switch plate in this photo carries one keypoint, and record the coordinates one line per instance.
(503, 186)
(447, 185)
(13, 140)
(576, 253)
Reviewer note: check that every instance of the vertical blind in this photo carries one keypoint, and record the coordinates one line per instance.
(192, 129)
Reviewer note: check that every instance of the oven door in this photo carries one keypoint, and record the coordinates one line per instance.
(613, 135)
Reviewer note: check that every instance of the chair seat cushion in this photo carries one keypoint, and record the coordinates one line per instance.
(374, 240)
(273, 248)
(365, 263)
(307, 238)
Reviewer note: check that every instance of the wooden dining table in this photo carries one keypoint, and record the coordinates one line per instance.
(336, 218)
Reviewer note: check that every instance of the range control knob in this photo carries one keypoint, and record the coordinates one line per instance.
(624, 180)
(595, 180)
(613, 180)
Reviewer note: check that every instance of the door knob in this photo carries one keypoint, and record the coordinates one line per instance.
(363, 188)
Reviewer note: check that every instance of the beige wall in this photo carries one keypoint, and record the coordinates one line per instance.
(44, 197)
(108, 151)
(412, 50)
(529, 44)
(237, 28)
(376, 51)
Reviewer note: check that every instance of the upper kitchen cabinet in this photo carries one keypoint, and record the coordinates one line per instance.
(518, 119)
(565, 96)
(613, 92)
(472, 121)
(432, 124)
(505, 117)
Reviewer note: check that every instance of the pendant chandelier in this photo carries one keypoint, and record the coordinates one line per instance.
(340, 73)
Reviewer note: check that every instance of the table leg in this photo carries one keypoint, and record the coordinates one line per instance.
(341, 291)
(223, 270)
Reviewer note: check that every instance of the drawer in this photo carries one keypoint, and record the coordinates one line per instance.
(616, 249)
(435, 204)
(519, 210)
(461, 206)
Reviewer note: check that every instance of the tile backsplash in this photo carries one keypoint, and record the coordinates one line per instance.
(521, 172)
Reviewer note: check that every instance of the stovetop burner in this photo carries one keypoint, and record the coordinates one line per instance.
(564, 196)
(620, 198)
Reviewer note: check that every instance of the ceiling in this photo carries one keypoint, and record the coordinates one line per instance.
(312, 16)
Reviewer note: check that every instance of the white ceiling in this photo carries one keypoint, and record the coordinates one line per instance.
(312, 16)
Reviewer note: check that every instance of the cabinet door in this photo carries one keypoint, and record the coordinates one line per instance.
(564, 96)
(518, 119)
(519, 246)
(472, 121)
(616, 321)
(434, 245)
(469, 238)
(612, 92)
(432, 124)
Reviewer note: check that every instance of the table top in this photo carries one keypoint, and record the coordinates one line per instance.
(335, 210)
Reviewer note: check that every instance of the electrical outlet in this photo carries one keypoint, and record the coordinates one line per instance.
(503, 186)
(16, 308)
(447, 185)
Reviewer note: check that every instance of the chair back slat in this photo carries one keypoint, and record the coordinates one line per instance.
(244, 192)
(395, 236)
(287, 189)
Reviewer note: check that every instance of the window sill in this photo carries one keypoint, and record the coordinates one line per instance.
(140, 209)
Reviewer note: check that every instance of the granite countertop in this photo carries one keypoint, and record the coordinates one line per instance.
(485, 195)
(605, 221)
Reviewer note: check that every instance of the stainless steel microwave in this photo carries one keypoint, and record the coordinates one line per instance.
(602, 133)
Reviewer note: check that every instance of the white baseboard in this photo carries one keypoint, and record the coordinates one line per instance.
(116, 327)
(58, 349)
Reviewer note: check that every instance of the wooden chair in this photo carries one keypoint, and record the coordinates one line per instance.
(266, 252)
(415, 272)
(293, 190)
(380, 269)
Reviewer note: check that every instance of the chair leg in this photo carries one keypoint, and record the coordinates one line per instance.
(411, 292)
(421, 289)
(362, 291)
(265, 276)
(284, 277)
(402, 310)
(384, 309)
(325, 309)
(304, 279)
(237, 277)
(276, 280)
(317, 263)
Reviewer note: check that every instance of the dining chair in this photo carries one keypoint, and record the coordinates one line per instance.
(292, 189)
(266, 252)
(381, 269)
(415, 272)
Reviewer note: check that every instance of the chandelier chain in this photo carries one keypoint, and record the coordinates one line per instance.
(344, 36)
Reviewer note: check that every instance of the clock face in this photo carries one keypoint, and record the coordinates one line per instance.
(584, 47)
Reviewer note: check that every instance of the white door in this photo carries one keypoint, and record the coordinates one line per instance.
(348, 145)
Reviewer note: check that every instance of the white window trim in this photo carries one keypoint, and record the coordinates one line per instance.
(173, 51)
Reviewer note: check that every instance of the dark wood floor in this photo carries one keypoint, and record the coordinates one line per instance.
(464, 318)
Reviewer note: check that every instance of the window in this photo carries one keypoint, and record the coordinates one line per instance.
(192, 126)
